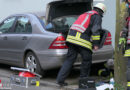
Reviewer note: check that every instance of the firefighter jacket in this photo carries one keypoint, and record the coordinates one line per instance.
(82, 23)
(85, 30)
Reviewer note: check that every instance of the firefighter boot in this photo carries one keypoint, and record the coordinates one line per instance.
(128, 78)
(86, 83)
(128, 88)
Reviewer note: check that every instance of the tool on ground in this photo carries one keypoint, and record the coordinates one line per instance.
(25, 78)
(86, 84)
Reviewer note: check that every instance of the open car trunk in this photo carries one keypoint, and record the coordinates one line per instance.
(66, 7)
(63, 13)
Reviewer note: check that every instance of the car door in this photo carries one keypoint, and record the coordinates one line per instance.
(20, 37)
(5, 31)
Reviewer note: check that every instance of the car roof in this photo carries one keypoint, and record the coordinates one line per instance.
(38, 14)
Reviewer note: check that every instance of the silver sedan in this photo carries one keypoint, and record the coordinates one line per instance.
(25, 42)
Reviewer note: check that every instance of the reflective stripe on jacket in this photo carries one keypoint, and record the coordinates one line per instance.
(128, 84)
(76, 39)
(83, 21)
(127, 53)
(95, 37)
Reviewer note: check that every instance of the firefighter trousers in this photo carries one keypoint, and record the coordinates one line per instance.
(128, 70)
(72, 54)
(128, 73)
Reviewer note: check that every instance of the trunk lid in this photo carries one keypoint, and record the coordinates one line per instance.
(59, 8)
(63, 13)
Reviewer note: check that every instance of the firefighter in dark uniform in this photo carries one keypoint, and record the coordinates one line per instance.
(125, 41)
(83, 35)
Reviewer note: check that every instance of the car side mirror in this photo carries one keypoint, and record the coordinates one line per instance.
(50, 26)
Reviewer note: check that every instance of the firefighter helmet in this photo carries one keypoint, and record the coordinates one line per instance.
(101, 6)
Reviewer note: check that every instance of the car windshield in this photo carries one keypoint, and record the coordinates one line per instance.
(62, 24)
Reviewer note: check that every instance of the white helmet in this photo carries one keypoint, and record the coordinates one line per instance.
(101, 6)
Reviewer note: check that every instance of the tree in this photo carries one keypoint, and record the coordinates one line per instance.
(119, 62)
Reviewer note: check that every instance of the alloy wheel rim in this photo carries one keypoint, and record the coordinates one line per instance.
(31, 63)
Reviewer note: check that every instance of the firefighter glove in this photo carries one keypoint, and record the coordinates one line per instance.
(122, 41)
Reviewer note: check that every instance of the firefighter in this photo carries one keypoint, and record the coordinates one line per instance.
(125, 41)
(84, 34)
(128, 6)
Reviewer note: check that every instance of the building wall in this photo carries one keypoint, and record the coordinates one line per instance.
(8, 7)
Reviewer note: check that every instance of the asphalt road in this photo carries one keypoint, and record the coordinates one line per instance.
(47, 82)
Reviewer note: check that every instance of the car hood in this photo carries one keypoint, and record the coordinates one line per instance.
(59, 8)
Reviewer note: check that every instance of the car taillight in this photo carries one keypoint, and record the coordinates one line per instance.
(108, 39)
(58, 43)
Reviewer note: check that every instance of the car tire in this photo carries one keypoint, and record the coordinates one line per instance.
(32, 63)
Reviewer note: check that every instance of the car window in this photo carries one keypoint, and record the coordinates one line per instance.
(42, 21)
(70, 20)
(6, 26)
(23, 25)
(62, 24)
(62, 21)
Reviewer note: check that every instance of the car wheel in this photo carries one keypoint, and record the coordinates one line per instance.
(32, 63)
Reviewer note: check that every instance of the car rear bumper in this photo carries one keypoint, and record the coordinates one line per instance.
(55, 58)
(103, 54)
(52, 59)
